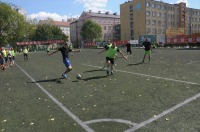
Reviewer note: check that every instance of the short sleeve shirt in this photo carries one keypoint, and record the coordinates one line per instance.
(111, 52)
(128, 46)
(65, 51)
(147, 45)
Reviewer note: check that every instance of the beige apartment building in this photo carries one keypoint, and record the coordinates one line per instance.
(150, 17)
(107, 21)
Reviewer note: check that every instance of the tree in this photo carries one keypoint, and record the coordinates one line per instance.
(12, 25)
(91, 31)
(49, 32)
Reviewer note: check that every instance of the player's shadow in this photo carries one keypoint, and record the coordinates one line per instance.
(56, 80)
(93, 70)
(91, 78)
(135, 64)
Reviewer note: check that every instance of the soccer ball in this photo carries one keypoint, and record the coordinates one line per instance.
(78, 76)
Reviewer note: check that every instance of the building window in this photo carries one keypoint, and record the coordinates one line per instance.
(147, 13)
(153, 14)
(148, 22)
(104, 27)
(163, 7)
(131, 16)
(131, 24)
(132, 32)
(153, 22)
(159, 14)
(159, 23)
(153, 31)
(148, 31)
(131, 8)
(108, 20)
(159, 6)
(164, 23)
(147, 4)
(153, 5)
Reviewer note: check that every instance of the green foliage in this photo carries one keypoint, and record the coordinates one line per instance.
(49, 32)
(12, 25)
(98, 40)
(91, 31)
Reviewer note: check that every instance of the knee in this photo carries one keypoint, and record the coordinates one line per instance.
(69, 68)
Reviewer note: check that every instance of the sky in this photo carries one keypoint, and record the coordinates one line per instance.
(64, 9)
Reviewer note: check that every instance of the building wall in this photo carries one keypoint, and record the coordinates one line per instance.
(107, 23)
(154, 17)
(73, 32)
(192, 21)
(132, 17)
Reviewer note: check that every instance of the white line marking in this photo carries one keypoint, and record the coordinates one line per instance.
(111, 120)
(193, 62)
(73, 116)
(168, 79)
(144, 123)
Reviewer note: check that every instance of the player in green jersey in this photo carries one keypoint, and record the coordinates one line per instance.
(110, 56)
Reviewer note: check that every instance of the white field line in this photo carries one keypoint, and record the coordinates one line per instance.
(111, 120)
(193, 62)
(168, 79)
(144, 123)
(73, 116)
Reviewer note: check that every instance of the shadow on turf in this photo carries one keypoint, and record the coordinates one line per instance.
(57, 80)
(135, 64)
(93, 70)
(91, 78)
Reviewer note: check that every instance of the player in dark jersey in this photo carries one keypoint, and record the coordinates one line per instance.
(128, 48)
(147, 47)
(65, 55)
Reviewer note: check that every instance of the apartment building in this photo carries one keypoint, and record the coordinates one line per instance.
(107, 21)
(150, 17)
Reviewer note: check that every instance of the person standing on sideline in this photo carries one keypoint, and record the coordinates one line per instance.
(2, 61)
(110, 56)
(25, 53)
(10, 58)
(65, 55)
(128, 48)
(13, 54)
(147, 47)
(48, 49)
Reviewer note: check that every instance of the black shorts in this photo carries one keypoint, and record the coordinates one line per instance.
(112, 60)
(2, 61)
(25, 55)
